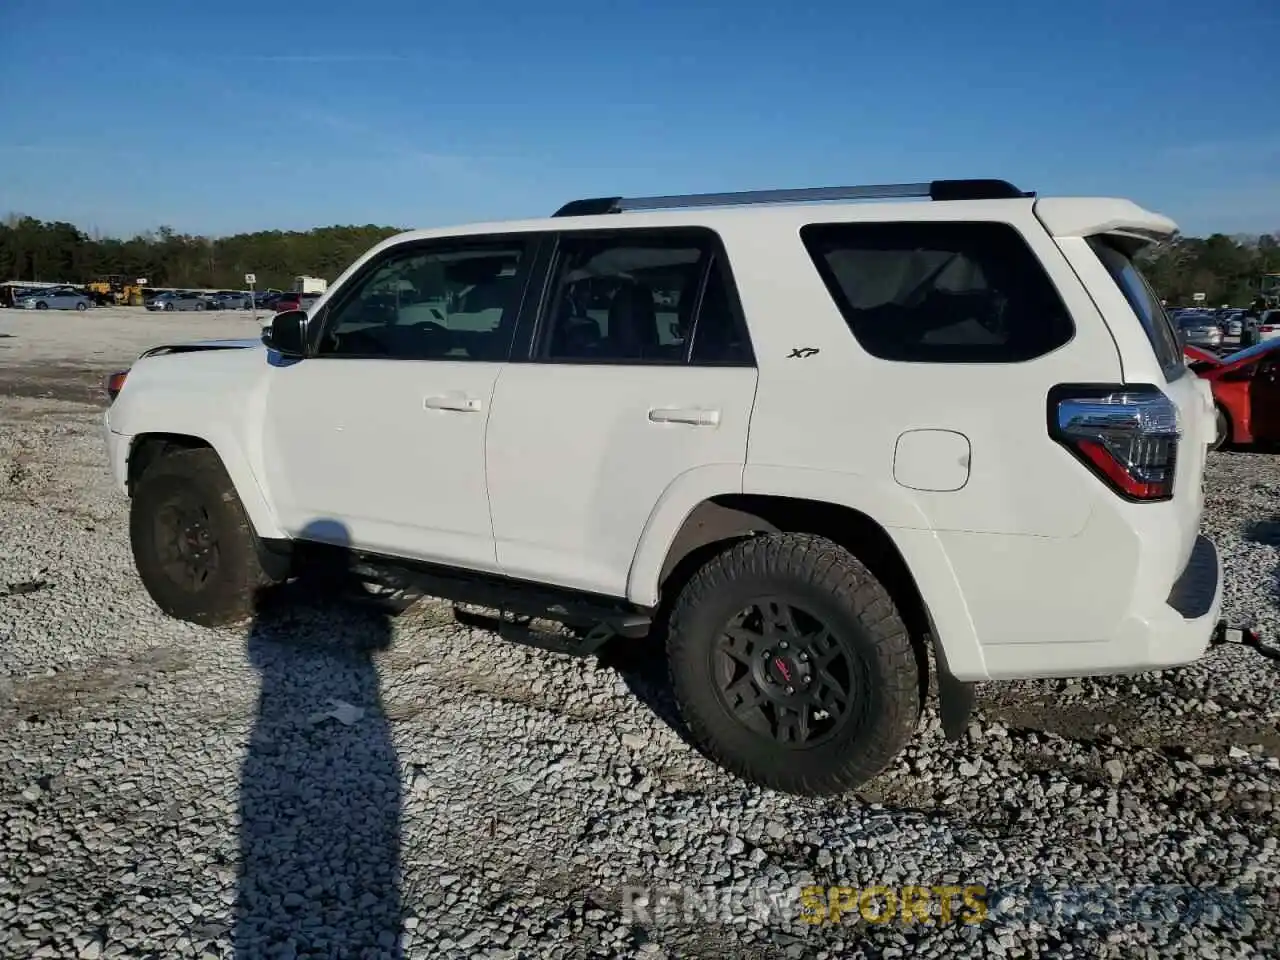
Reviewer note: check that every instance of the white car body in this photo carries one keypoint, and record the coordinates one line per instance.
(1027, 564)
(1269, 325)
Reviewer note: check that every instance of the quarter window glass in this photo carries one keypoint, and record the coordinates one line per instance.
(940, 292)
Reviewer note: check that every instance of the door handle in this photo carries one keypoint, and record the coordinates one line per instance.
(698, 418)
(456, 403)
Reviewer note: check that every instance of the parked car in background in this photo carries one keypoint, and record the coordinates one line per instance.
(1232, 323)
(295, 301)
(59, 298)
(1246, 391)
(1268, 325)
(1199, 329)
(232, 300)
(178, 300)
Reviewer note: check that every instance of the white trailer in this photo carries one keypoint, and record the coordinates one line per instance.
(310, 285)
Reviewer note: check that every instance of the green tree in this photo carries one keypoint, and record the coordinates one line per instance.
(32, 249)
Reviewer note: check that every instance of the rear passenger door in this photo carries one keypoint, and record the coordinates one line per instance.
(635, 370)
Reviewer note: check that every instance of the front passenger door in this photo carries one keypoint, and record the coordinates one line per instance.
(383, 428)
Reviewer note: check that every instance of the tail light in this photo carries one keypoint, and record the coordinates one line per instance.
(115, 383)
(1127, 435)
(1267, 328)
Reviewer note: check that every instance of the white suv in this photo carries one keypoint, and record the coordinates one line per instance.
(804, 443)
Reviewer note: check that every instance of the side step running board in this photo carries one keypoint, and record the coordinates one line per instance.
(515, 604)
(582, 641)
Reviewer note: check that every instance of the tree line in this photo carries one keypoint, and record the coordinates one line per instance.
(32, 249)
(1225, 269)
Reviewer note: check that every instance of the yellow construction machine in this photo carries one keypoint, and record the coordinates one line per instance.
(114, 290)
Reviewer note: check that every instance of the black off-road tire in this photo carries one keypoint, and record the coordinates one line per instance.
(828, 586)
(195, 483)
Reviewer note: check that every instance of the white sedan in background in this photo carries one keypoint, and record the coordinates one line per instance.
(1269, 325)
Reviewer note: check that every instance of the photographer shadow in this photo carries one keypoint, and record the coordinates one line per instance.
(320, 801)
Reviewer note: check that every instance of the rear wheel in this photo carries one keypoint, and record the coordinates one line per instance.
(82, 306)
(192, 543)
(792, 666)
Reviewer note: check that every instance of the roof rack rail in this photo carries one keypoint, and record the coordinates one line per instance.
(933, 190)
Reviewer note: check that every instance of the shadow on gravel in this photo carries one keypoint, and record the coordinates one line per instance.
(320, 786)
(1267, 533)
(642, 665)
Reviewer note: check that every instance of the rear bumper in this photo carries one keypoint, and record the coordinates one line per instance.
(1176, 632)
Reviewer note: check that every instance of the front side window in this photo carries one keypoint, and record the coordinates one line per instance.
(641, 296)
(429, 303)
(938, 292)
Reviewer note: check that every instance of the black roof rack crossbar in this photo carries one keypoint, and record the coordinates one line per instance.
(932, 190)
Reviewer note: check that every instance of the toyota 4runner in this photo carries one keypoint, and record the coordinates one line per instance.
(808, 437)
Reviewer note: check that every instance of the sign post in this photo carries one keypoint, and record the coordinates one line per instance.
(142, 282)
(1198, 297)
(250, 279)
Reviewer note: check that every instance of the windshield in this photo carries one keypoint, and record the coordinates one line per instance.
(1134, 286)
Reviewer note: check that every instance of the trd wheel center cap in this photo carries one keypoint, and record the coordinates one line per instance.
(780, 670)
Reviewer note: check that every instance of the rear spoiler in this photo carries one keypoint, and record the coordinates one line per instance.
(1090, 216)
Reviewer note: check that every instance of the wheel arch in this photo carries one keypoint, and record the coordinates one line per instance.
(149, 446)
(895, 542)
(719, 520)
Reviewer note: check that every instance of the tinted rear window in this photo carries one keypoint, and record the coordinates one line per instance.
(940, 292)
(1146, 305)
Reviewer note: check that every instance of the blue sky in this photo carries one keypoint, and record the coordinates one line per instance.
(221, 117)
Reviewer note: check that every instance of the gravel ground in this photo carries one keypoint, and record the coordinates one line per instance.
(330, 783)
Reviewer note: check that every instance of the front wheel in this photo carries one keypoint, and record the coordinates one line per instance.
(42, 305)
(792, 667)
(192, 543)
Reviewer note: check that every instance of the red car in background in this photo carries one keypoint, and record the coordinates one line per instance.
(296, 301)
(1246, 391)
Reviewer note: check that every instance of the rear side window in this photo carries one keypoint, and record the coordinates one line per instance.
(1145, 304)
(940, 292)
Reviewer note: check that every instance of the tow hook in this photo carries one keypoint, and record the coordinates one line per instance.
(1244, 636)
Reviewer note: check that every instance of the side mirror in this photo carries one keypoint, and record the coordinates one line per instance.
(286, 334)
